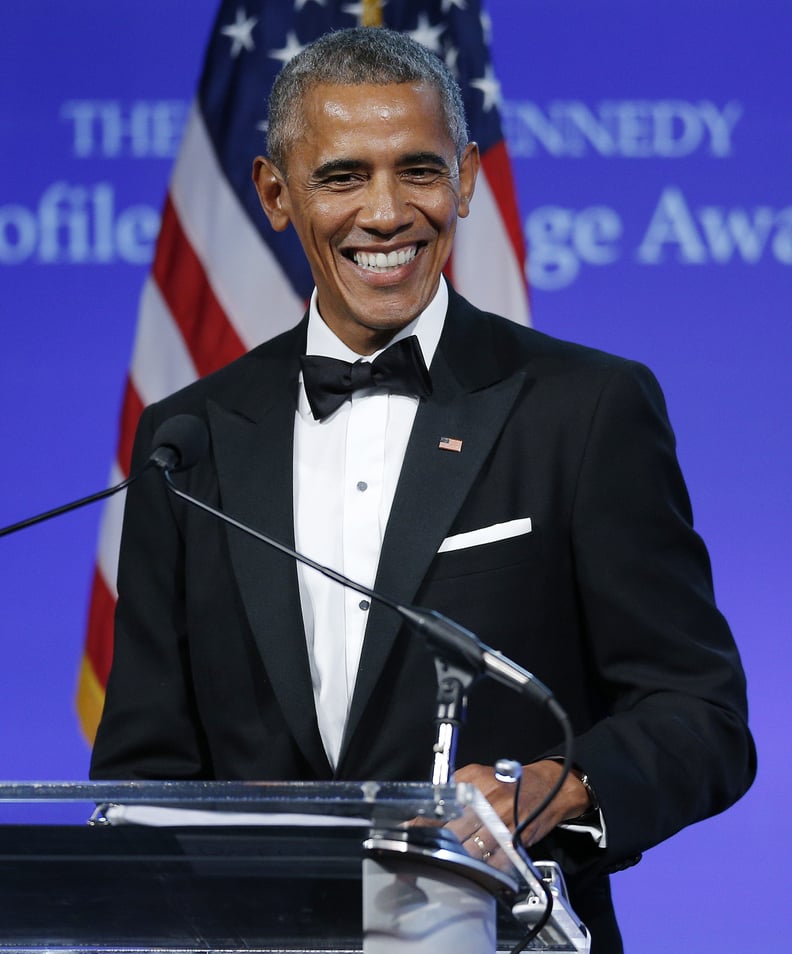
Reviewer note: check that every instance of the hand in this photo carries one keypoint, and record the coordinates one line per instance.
(537, 780)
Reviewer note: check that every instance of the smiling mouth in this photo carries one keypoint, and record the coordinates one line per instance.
(384, 261)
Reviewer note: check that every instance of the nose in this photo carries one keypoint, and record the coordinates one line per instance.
(385, 208)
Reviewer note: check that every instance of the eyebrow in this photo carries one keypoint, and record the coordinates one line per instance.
(338, 165)
(334, 166)
(423, 159)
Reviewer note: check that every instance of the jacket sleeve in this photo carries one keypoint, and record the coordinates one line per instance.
(150, 726)
(675, 746)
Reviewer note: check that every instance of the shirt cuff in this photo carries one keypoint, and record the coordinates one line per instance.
(592, 822)
(593, 826)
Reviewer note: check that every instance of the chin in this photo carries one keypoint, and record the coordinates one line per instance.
(395, 314)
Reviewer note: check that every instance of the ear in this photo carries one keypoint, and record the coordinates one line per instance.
(272, 192)
(469, 166)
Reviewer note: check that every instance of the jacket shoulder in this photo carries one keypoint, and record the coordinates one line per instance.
(517, 347)
(268, 365)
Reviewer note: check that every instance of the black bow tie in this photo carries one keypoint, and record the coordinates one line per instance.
(400, 368)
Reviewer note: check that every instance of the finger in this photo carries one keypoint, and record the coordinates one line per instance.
(482, 847)
(464, 826)
(476, 839)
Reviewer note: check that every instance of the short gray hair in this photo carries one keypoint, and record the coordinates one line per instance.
(356, 57)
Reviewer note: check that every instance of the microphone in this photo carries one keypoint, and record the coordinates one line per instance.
(183, 440)
(179, 443)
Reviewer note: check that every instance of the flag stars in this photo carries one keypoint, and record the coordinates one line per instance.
(288, 52)
(241, 32)
(489, 87)
(451, 60)
(428, 35)
(486, 27)
(448, 4)
(299, 4)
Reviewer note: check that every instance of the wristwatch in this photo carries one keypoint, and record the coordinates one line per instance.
(583, 778)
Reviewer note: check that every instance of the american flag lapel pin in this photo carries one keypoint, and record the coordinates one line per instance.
(450, 444)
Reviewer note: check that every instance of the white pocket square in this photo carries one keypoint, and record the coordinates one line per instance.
(497, 531)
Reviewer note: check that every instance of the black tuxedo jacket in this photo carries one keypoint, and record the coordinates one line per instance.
(607, 598)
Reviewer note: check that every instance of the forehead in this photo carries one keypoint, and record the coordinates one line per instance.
(399, 115)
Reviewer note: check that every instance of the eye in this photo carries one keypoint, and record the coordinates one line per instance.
(341, 180)
(421, 174)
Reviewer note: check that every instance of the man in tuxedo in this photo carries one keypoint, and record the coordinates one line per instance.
(525, 487)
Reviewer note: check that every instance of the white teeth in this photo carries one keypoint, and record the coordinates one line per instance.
(379, 261)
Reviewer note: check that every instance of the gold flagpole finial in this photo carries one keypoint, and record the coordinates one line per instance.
(372, 13)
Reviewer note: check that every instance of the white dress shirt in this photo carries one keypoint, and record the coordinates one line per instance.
(346, 468)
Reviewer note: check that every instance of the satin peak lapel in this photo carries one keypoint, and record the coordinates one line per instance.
(254, 466)
(432, 487)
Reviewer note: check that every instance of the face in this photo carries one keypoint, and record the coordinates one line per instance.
(374, 189)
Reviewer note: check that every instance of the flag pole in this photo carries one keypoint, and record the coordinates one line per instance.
(372, 13)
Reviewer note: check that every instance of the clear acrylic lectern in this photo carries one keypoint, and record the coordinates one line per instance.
(261, 867)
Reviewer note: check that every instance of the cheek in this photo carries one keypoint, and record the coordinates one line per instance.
(327, 222)
(441, 210)
(444, 223)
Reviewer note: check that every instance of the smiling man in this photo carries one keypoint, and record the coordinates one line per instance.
(526, 487)
(374, 190)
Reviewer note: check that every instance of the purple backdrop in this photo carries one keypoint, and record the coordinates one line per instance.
(651, 146)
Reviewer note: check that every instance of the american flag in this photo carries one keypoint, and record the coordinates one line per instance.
(222, 281)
